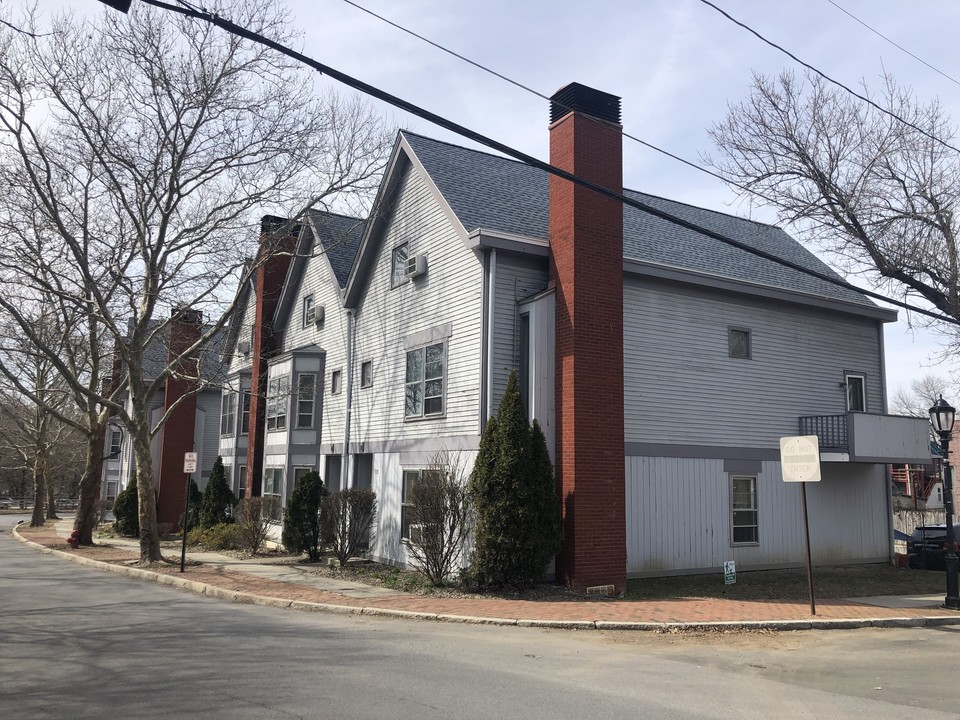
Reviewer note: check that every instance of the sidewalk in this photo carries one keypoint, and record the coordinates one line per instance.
(279, 584)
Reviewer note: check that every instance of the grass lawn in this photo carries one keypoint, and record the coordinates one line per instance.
(828, 582)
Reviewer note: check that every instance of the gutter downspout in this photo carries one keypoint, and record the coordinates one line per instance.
(345, 478)
(491, 295)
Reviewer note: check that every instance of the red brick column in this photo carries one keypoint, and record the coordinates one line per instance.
(586, 267)
(275, 257)
(178, 432)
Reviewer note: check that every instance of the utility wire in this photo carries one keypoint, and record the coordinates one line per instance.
(829, 79)
(540, 95)
(892, 42)
(443, 122)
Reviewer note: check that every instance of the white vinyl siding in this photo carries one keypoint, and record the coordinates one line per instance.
(675, 345)
(450, 294)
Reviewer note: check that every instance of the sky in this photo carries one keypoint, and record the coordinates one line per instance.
(677, 64)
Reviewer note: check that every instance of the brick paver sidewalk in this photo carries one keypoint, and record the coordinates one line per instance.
(233, 583)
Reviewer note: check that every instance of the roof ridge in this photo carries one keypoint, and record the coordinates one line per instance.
(336, 214)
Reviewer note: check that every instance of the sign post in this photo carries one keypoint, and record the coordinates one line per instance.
(189, 467)
(800, 462)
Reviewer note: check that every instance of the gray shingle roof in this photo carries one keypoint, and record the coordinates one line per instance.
(494, 193)
(212, 368)
(340, 237)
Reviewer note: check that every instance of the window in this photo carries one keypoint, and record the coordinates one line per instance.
(306, 390)
(228, 412)
(424, 382)
(743, 510)
(366, 374)
(273, 488)
(398, 275)
(336, 382)
(241, 482)
(245, 414)
(309, 314)
(278, 390)
(116, 439)
(738, 343)
(111, 489)
(298, 474)
(410, 479)
(856, 393)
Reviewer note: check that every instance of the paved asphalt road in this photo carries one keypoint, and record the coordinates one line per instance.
(78, 643)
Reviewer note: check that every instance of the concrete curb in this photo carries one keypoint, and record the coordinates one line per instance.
(238, 596)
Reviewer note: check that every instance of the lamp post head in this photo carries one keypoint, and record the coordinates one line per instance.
(941, 417)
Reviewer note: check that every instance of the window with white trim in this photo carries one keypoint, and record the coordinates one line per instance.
(306, 391)
(116, 440)
(298, 474)
(278, 392)
(410, 479)
(245, 414)
(744, 525)
(273, 488)
(856, 393)
(308, 313)
(423, 395)
(398, 266)
(241, 482)
(228, 412)
(336, 382)
(366, 374)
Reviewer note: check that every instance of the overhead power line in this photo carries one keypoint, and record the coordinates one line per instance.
(894, 43)
(443, 122)
(829, 79)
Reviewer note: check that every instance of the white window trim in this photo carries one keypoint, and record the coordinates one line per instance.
(228, 409)
(306, 304)
(312, 400)
(396, 281)
(247, 398)
(368, 381)
(336, 388)
(278, 400)
(404, 504)
(755, 509)
(847, 377)
(423, 381)
(278, 492)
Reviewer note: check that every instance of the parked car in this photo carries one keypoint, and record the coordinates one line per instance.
(5, 503)
(66, 504)
(927, 547)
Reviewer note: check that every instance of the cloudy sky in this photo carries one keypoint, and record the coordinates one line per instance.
(676, 64)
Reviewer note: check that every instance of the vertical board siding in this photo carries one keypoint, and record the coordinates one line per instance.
(678, 516)
(450, 292)
(517, 278)
(676, 352)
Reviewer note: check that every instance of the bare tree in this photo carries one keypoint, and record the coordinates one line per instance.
(135, 152)
(875, 191)
(923, 392)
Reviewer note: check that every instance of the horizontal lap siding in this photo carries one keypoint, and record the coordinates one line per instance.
(450, 292)
(517, 278)
(244, 319)
(676, 360)
(678, 516)
(331, 336)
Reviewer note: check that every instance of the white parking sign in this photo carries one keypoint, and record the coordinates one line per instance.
(189, 462)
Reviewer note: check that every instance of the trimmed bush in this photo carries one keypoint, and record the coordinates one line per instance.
(348, 521)
(126, 513)
(301, 517)
(517, 528)
(218, 499)
(226, 536)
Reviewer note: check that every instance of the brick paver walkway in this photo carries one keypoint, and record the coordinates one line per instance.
(693, 611)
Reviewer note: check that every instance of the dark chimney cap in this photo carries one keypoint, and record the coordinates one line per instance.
(186, 315)
(582, 99)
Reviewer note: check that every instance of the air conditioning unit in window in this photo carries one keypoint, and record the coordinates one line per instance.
(415, 534)
(416, 266)
(315, 315)
(244, 347)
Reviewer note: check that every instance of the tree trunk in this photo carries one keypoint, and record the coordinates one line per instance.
(39, 498)
(51, 500)
(149, 539)
(88, 515)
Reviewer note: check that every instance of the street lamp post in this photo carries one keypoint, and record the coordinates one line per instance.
(941, 417)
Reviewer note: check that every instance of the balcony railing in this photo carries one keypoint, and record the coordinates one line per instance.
(870, 437)
(831, 429)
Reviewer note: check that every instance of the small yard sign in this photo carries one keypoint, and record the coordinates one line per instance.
(729, 572)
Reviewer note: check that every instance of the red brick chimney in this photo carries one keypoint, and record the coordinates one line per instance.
(177, 438)
(586, 268)
(276, 252)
